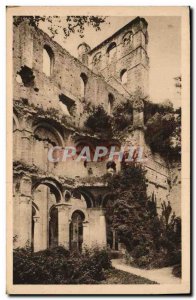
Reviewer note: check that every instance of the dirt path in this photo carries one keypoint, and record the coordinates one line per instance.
(161, 276)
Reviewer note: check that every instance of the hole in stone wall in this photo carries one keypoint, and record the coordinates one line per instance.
(111, 51)
(27, 76)
(19, 79)
(67, 104)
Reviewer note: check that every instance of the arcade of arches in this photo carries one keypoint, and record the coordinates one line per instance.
(47, 217)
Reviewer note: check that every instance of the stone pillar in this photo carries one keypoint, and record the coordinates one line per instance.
(37, 245)
(102, 230)
(26, 146)
(63, 224)
(25, 208)
(86, 235)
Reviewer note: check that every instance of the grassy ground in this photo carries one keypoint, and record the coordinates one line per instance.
(114, 276)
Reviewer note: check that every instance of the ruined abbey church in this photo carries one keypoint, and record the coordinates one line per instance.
(63, 203)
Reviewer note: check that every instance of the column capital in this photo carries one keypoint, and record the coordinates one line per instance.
(62, 206)
(26, 134)
(25, 199)
(25, 186)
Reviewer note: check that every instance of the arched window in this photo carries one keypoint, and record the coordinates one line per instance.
(48, 60)
(76, 230)
(127, 39)
(83, 83)
(111, 51)
(110, 103)
(123, 76)
(97, 58)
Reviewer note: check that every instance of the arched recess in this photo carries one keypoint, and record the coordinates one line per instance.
(45, 131)
(96, 58)
(88, 197)
(111, 51)
(107, 200)
(111, 100)
(127, 38)
(48, 60)
(76, 230)
(123, 76)
(46, 136)
(54, 187)
(46, 193)
(83, 84)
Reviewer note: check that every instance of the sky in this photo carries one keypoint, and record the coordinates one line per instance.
(164, 50)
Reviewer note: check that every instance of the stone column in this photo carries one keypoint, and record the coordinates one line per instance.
(63, 224)
(25, 221)
(26, 146)
(86, 235)
(37, 245)
(102, 230)
(25, 208)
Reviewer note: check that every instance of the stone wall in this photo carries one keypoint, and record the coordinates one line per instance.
(130, 54)
(40, 185)
(44, 91)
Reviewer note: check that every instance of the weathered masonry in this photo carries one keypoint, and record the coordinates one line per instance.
(64, 203)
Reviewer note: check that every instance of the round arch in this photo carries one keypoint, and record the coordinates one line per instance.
(88, 197)
(52, 130)
(80, 211)
(36, 208)
(105, 199)
(54, 188)
(111, 46)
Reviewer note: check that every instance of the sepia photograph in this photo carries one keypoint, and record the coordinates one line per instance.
(98, 171)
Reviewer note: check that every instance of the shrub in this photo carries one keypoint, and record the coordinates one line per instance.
(99, 121)
(150, 240)
(177, 271)
(163, 135)
(123, 116)
(59, 266)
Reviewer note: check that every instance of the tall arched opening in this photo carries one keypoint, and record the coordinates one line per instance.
(76, 230)
(45, 215)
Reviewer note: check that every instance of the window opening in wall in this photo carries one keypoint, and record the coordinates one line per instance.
(123, 76)
(25, 76)
(111, 51)
(128, 37)
(110, 103)
(83, 83)
(67, 104)
(48, 60)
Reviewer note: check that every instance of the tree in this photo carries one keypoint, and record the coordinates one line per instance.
(129, 214)
(66, 25)
(99, 121)
(162, 134)
(150, 239)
